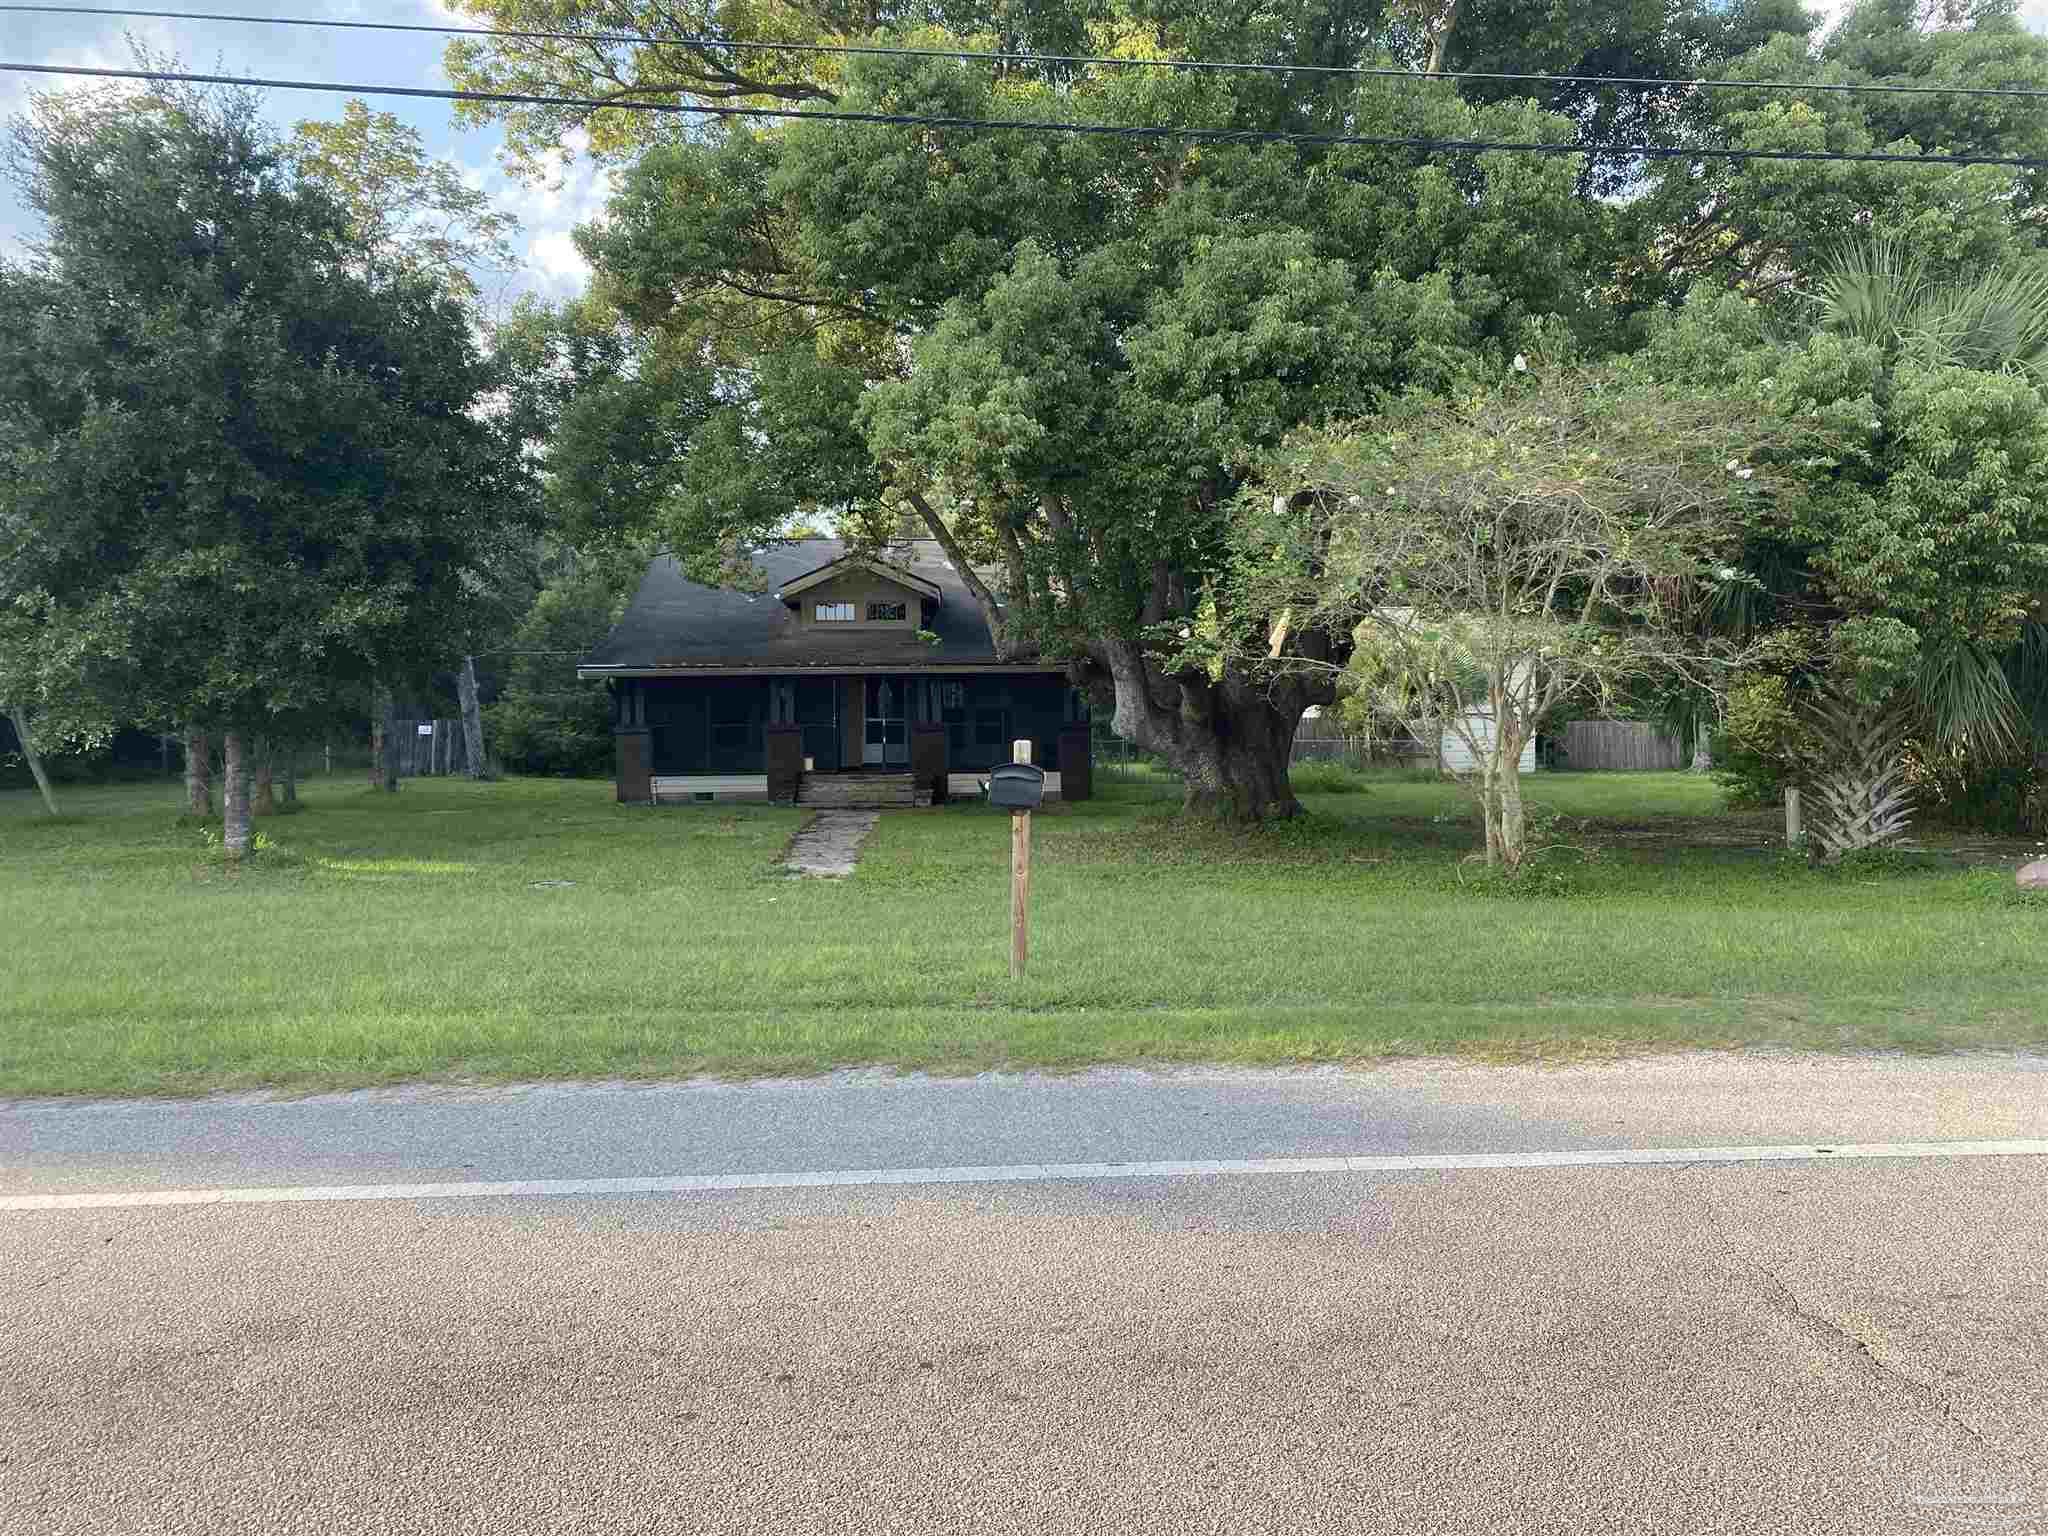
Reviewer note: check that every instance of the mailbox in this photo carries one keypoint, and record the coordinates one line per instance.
(1016, 786)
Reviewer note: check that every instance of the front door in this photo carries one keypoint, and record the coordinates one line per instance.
(887, 743)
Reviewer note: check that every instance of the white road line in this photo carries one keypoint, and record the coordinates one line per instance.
(1023, 1173)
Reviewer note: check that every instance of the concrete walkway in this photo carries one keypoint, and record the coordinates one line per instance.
(829, 844)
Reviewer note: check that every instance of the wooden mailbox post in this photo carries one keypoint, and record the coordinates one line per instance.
(1019, 787)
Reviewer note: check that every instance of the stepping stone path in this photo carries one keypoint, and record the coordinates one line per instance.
(829, 844)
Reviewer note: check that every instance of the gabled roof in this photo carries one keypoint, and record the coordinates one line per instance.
(888, 570)
(674, 624)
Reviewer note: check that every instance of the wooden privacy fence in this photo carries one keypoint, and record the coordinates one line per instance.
(428, 747)
(1634, 745)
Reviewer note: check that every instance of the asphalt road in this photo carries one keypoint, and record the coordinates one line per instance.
(1687, 1347)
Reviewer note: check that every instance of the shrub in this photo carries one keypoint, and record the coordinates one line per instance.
(1327, 776)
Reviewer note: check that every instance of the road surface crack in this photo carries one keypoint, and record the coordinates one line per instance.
(1818, 1325)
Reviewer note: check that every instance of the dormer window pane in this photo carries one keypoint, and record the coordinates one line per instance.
(835, 613)
(885, 613)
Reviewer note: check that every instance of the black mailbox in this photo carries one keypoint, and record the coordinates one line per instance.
(1016, 786)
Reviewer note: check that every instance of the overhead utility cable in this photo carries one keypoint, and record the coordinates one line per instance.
(876, 50)
(1152, 131)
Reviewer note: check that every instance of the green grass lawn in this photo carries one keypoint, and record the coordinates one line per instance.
(408, 937)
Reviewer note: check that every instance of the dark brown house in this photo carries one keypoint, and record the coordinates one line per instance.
(853, 678)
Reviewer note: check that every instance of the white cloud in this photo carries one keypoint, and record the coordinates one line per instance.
(554, 254)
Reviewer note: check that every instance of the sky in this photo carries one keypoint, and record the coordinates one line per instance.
(549, 264)
(548, 210)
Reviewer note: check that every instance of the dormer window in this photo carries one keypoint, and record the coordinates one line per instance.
(835, 613)
(886, 613)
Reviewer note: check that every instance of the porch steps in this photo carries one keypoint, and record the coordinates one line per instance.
(866, 790)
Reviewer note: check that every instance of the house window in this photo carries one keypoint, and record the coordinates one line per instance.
(885, 613)
(952, 695)
(835, 613)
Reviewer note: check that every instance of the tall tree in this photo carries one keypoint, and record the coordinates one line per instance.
(409, 214)
(249, 479)
(1765, 225)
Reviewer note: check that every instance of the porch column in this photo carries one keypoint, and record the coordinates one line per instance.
(635, 746)
(1077, 763)
(853, 705)
(785, 762)
(928, 759)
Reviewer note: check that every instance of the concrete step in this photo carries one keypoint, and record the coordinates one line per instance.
(860, 789)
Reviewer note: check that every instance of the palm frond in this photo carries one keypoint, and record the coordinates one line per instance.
(1998, 322)
(1967, 699)
(1878, 289)
(1871, 288)
(2026, 670)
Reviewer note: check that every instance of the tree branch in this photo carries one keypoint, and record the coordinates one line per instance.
(991, 610)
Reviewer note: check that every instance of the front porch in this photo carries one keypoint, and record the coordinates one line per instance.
(842, 739)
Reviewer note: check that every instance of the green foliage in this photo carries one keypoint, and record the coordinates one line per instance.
(545, 720)
(409, 214)
(1761, 742)
(1913, 519)
(238, 478)
(1761, 225)
(1329, 777)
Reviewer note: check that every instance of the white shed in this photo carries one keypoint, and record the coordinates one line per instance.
(1458, 758)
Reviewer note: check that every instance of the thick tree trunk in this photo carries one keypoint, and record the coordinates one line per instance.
(1237, 769)
(291, 774)
(235, 797)
(35, 760)
(263, 801)
(472, 719)
(1231, 740)
(198, 774)
(1702, 758)
(377, 741)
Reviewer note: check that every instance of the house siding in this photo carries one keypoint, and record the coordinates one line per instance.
(859, 589)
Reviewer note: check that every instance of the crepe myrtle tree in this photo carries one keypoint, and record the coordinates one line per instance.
(1554, 538)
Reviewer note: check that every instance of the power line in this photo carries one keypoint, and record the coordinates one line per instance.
(1101, 130)
(1108, 130)
(872, 50)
